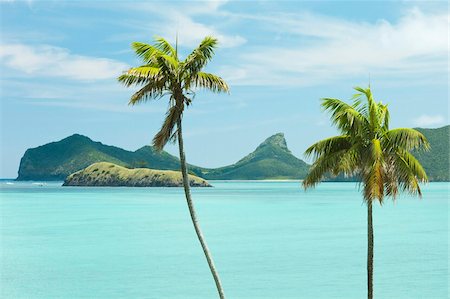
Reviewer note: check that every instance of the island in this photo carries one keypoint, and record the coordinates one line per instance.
(111, 175)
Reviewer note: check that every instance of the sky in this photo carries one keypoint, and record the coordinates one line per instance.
(59, 61)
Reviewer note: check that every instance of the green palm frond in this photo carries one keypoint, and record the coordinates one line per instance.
(130, 80)
(380, 157)
(211, 82)
(384, 116)
(373, 178)
(323, 165)
(165, 47)
(414, 166)
(146, 52)
(168, 64)
(329, 146)
(145, 71)
(405, 138)
(152, 91)
(166, 132)
(342, 161)
(344, 116)
(163, 74)
(201, 55)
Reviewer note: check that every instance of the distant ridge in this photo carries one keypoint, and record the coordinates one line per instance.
(56, 160)
(272, 159)
(436, 161)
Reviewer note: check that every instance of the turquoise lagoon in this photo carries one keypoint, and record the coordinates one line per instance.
(268, 239)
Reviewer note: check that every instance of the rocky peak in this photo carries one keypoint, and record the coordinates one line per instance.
(276, 140)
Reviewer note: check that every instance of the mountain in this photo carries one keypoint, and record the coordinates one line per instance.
(56, 160)
(436, 161)
(112, 175)
(271, 160)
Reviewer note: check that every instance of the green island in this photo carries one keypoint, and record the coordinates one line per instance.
(272, 159)
(109, 174)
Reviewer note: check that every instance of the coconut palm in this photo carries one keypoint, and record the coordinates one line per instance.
(367, 149)
(163, 74)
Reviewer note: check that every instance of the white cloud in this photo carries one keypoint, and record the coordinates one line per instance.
(429, 120)
(328, 48)
(49, 61)
(183, 18)
(191, 33)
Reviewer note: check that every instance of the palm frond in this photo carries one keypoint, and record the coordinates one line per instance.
(139, 75)
(329, 146)
(209, 81)
(384, 116)
(200, 56)
(409, 173)
(373, 178)
(146, 52)
(129, 80)
(151, 91)
(368, 149)
(413, 165)
(165, 47)
(407, 139)
(168, 65)
(344, 116)
(344, 161)
(166, 132)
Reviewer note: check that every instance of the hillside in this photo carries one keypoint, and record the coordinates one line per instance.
(56, 160)
(271, 160)
(112, 175)
(436, 161)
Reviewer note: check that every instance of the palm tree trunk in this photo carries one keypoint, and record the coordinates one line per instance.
(187, 192)
(369, 251)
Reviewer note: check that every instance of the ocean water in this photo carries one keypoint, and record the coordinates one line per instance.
(268, 239)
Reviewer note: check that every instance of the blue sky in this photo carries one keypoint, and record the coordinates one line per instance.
(59, 61)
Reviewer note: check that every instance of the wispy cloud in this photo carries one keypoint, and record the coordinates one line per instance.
(50, 61)
(183, 19)
(426, 120)
(415, 45)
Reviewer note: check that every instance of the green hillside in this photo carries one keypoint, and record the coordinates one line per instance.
(436, 161)
(271, 160)
(112, 175)
(56, 160)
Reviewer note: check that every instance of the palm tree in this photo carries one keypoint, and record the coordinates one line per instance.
(163, 74)
(367, 149)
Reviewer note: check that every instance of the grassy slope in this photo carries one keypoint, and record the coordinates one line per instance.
(271, 160)
(109, 174)
(436, 161)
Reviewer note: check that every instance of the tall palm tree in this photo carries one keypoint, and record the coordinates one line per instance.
(163, 74)
(367, 149)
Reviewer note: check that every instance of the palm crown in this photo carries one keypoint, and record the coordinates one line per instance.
(162, 73)
(368, 149)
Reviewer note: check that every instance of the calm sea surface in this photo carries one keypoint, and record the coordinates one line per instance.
(268, 239)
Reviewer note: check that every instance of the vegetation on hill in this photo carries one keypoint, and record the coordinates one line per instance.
(271, 160)
(56, 160)
(109, 174)
(437, 160)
